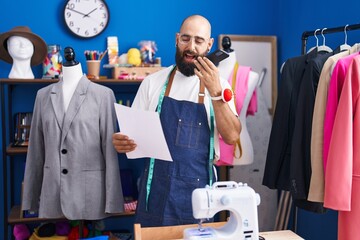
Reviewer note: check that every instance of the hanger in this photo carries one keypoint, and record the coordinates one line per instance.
(345, 46)
(323, 47)
(317, 41)
(262, 76)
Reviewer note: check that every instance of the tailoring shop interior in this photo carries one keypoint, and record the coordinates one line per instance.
(298, 145)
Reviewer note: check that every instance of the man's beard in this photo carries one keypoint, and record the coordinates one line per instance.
(186, 68)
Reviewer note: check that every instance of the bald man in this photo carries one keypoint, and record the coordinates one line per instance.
(188, 97)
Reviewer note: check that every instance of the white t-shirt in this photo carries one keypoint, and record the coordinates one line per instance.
(183, 88)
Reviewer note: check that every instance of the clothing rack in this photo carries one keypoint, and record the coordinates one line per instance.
(306, 34)
(304, 37)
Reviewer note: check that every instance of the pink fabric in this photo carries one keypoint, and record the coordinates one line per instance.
(241, 88)
(252, 108)
(342, 177)
(242, 77)
(226, 154)
(335, 86)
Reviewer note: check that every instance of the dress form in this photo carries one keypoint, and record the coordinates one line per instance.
(71, 75)
(226, 66)
(225, 69)
(245, 140)
(21, 50)
(258, 128)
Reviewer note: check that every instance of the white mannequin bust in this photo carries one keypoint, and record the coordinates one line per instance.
(21, 50)
(225, 69)
(245, 140)
(227, 65)
(71, 76)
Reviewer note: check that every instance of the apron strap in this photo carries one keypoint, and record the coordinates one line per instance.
(201, 93)
(170, 81)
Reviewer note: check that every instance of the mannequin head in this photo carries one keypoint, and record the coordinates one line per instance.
(226, 44)
(20, 48)
(69, 55)
(23, 49)
(71, 70)
(39, 47)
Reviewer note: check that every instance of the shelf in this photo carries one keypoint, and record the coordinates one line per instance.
(48, 81)
(10, 150)
(14, 217)
(27, 81)
(118, 81)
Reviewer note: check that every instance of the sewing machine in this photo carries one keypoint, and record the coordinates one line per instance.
(240, 199)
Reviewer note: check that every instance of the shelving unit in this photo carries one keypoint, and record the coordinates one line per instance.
(14, 217)
(11, 212)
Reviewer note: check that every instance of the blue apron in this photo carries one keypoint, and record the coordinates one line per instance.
(187, 134)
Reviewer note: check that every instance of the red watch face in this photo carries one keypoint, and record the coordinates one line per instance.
(227, 95)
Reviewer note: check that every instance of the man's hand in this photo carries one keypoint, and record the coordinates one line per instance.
(122, 143)
(208, 73)
(227, 122)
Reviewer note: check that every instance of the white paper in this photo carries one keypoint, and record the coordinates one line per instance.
(144, 127)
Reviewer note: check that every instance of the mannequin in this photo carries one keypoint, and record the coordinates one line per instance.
(21, 50)
(226, 44)
(257, 127)
(72, 168)
(225, 69)
(245, 140)
(71, 75)
(226, 66)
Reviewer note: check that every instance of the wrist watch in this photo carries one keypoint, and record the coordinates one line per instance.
(226, 95)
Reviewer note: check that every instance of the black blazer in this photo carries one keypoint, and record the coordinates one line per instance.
(300, 164)
(277, 168)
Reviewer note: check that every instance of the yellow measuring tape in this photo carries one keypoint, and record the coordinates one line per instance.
(233, 89)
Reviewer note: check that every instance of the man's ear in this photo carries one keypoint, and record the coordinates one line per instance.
(211, 42)
(176, 39)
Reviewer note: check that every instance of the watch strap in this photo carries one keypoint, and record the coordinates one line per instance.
(226, 95)
(216, 98)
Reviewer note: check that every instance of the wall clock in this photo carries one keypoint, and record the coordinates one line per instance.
(86, 18)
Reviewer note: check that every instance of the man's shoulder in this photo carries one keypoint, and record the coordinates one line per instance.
(158, 77)
(164, 71)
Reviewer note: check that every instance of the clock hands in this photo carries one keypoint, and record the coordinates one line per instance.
(77, 11)
(84, 15)
(87, 15)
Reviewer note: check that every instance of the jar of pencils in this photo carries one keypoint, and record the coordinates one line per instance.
(93, 61)
(52, 64)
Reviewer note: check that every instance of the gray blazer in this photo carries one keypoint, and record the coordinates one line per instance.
(72, 168)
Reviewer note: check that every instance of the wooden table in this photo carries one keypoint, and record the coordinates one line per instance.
(280, 235)
(176, 232)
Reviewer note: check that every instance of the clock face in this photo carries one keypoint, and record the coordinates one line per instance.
(86, 18)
